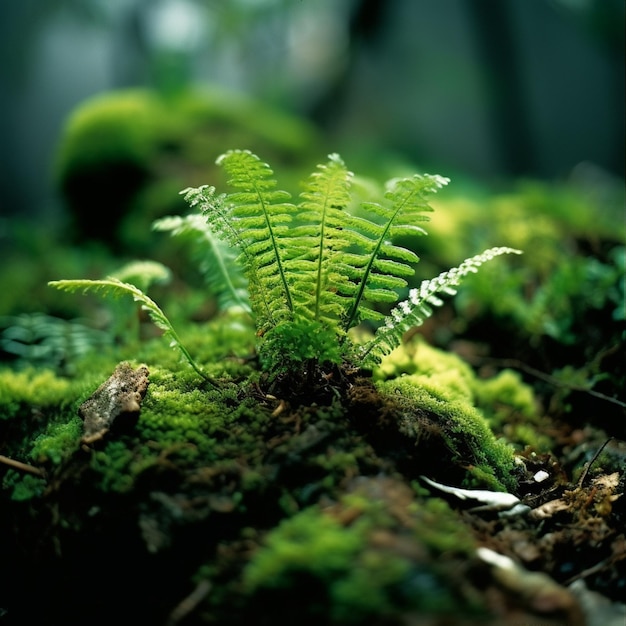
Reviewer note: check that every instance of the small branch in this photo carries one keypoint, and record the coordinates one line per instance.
(514, 363)
(595, 458)
(188, 604)
(22, 467)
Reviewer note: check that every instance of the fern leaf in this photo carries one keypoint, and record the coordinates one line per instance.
(321, 213)
(215, 258)
(115, 288)
(388, 264)
(218, 214)
(418, 307)
(260, 217)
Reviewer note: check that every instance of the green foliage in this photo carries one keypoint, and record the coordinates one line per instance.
(213, 257)
(115, 288)
(47, 341)
(574, 266)
(341, 574)
(314, 270)
(23, 486)
(30, 388)
(412, 312)
(444, 385)
(504, 394)
(57, 442)
(143, 274)
(152, 146)
(317, 269)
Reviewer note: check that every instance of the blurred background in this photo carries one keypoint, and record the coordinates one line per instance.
(490, 88)
(108, 108)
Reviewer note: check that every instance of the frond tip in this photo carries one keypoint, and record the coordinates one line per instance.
(417, 307)
(114, 288)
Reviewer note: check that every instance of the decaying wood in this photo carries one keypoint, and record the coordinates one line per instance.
(120, 395)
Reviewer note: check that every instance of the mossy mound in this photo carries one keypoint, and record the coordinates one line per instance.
(123, 156)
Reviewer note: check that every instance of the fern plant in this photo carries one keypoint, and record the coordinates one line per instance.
(315, 270)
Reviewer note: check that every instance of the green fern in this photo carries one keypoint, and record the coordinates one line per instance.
(314, 269)
(417, 307)
(381, 268)
(113, 287)
(215, 259)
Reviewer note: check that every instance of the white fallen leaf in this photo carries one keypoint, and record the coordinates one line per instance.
(506, 503)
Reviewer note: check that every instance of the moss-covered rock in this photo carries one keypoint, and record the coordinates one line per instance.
(123, 156)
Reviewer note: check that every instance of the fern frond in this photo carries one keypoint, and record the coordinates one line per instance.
(216, 259)
(143, 274)
(258, 217)
(321, 213)
(382, 267)
(216, 211)
(115, 288)
(418, 307)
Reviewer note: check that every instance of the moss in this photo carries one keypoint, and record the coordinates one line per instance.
(442, 384)
(23, 487)
(309, 541)
(346, 563)
(30, 388)
(153, 146)
(57, 442)
(504, 394)
(223, 346)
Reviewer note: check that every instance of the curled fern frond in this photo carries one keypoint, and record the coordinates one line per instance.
(216, 259)
(112, 287)
(417, 307)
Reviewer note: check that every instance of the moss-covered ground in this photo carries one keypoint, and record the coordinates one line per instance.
(246, 505)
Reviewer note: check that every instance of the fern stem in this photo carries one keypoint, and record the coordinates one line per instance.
(115, 287)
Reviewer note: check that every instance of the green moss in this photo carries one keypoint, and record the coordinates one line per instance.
(152, 146)
(352, 577)
(504, 394)
(309, 541)
(30, 388)
(113, 464)
(570, 272)
(23, 486)
(442, 384)
(57, 441)
(114, 127)
(222, 346)
(511, 408)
